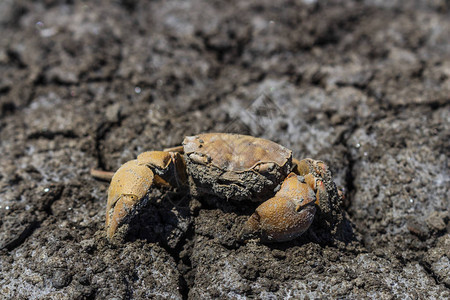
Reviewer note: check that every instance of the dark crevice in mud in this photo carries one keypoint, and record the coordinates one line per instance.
(181, 251)
(433, 105)
(52, 134)
(430, 272)
(100, 134)
(390, 109)
(84, 76)
(349, 176)
(396, 109)
(20, 239)
(362, 87)
(55, 192)
(184, 267)
(183, 261)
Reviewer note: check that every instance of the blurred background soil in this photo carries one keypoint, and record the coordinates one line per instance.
(362, 85)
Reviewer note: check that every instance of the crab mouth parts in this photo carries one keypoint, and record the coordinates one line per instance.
(309, 208)
(305, 206)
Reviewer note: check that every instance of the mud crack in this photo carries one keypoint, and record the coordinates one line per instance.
(433, 275)
(52, 193)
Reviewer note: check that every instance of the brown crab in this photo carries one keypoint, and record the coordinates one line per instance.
(228, 166)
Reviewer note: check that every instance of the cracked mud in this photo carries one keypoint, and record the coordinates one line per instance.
(361, 85)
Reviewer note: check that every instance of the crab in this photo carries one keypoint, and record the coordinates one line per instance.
(230, 167)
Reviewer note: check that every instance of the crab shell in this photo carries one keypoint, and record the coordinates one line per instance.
(234, 166)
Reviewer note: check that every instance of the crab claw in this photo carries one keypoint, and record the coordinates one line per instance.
(286, 216)
(128, 188)
(130, 184)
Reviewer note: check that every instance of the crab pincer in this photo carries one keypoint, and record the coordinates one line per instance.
(134, 179)
(285, 216)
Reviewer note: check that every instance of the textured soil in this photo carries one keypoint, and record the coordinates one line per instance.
(362, 85)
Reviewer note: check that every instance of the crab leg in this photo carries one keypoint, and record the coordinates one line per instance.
(129, 186)
(314, 171)
(178, 149)
(102, 175)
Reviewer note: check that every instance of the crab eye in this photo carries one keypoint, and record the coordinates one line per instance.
(265, 167)
(301, 179)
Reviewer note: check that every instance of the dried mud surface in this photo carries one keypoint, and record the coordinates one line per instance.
(362, 85)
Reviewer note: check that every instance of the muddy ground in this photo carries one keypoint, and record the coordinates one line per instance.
(362, 85)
